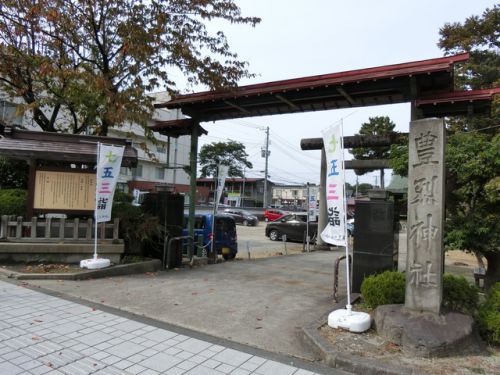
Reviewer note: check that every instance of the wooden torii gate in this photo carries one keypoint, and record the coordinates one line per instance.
(427, 84)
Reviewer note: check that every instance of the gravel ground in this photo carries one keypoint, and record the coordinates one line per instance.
(371, 346)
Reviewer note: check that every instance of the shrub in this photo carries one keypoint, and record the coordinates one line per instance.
(488, 317)
(383, 289)
(389, 288)
(137, 229)
(121, 197)
(13, 202)
(459, 295)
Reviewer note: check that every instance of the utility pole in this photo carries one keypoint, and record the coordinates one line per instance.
(266, 155)
(242, 199)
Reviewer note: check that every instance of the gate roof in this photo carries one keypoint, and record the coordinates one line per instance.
(412, 81)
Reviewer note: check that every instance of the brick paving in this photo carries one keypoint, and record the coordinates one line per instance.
(44, 334)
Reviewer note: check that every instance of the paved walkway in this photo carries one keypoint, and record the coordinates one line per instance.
(44, 334)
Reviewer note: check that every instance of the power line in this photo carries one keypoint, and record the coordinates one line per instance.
(295, 156)
(240, 139)
(478, 130)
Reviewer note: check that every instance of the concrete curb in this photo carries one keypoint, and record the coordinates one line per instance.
(118, 270)
(343, 361)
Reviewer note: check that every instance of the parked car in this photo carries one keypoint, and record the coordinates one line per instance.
(273, 214)
(294, 226)
(242, 217)
(226, 239)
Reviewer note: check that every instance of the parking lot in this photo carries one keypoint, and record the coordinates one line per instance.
(253, 240)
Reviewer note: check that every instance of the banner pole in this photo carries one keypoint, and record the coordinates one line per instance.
(348, 276)
(95, 208)
(216, 203)
(354, 321)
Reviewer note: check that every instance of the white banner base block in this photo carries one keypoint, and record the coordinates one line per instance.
(353, 321)
(93, 264)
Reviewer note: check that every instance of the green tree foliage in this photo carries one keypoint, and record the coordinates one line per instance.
(480, 36)
(13, 174)
(229, 153)
(489, 316)
(473, 145)
(96, 60)
(363, 188)
(13, 202)
(379, 125)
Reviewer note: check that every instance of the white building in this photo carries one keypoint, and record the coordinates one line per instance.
(292, 196)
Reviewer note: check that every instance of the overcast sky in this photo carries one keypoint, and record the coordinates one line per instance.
(302, 38)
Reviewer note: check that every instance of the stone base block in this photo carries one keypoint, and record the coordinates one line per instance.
(58, 252)
(427, 335)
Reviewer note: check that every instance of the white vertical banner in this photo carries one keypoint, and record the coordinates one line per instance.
(109, 160)
(221, 180)
(335, 230)
(312, 198)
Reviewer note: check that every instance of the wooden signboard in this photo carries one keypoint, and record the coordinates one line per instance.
(61, 190)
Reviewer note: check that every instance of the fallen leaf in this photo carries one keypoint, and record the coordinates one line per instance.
(392, 347)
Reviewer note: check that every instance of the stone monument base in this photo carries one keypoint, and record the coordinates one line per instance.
(426, 334)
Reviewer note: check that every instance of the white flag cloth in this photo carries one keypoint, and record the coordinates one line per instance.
(312, 210)
(109, 160)
(335, 230)
(221, 180)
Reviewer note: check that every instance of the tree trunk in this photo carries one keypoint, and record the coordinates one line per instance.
(493, 271)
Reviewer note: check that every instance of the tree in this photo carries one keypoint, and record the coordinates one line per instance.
(13, 174)
(379, 125)
(363, 188)
(473, 146)
(88, 65)
(229, 153)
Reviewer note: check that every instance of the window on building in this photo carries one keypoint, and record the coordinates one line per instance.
(277, 192)
(8, 113)
(160, 173)
(124, 171)
(137, 172)
(122, 186)
(295, 193)
(161, 149)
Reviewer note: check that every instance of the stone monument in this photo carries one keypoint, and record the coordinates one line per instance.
(425, 259)
(419, 325)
